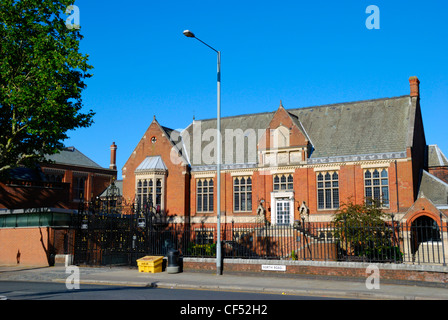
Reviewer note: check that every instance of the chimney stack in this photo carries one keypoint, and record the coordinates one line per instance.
(113, 156)
(415, 86)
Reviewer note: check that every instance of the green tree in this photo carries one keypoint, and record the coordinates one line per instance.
(362, 231)
(42, 75)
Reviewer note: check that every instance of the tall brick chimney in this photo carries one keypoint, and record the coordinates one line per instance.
(113, 156)
(415, 86)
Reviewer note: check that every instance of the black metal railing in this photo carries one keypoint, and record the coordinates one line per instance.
(121, 239)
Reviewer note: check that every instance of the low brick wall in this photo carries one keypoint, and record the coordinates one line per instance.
(25, 246)
(33, 246)
(387, 272)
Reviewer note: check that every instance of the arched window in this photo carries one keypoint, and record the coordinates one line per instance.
(376, 187)
(204, 195)
(283, 182)
(242, 194)
(327, 190)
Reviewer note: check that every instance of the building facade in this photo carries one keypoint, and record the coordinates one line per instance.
(290, 164)
(64, 181)
(87, 179)
(36, 206)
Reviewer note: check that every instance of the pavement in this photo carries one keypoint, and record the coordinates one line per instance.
(261, 283)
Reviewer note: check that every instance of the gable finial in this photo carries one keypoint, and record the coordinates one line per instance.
(281, 104)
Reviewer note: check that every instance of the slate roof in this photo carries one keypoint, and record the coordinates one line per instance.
(434, 189)
(74, 157)
(379, 126)
(436, 158)
(365, 127)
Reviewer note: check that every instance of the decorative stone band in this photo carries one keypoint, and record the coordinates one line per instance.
(357, 158)
(311, 161)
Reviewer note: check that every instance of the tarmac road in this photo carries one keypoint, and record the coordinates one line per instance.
(27, 290)
(257, 283)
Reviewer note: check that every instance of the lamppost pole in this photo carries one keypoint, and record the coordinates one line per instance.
(190, 34)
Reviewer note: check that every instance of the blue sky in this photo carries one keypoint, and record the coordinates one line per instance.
(304, 53)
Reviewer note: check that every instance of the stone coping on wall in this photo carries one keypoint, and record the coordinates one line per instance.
(401, 272)
(329, 264)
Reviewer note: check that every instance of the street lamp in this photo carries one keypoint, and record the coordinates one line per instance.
(190, 34)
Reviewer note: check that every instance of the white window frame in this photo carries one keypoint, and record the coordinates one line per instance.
(151, 177)
(282, 196)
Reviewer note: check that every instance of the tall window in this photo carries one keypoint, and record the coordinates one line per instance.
(283, 182)
(150, 192)
(204, 193)
(158, 192)
(327, 190)
(376, 183)
(144, 192)
(242, 194)
(79, 188)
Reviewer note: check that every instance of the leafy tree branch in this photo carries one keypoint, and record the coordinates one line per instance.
(42, 76)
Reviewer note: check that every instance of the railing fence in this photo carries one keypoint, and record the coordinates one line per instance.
(113, 239)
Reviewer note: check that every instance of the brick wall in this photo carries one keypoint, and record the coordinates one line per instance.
(96, 181)
(351, 189)
(177, 182)
(25, 246)
(33, 246)
(396, 273)
(440, 172)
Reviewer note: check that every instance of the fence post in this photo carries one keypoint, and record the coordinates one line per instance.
(393, 238)
(346, 235)
(443, 245)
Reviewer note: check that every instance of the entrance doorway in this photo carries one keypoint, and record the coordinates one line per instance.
(425, 229)
(283, 216)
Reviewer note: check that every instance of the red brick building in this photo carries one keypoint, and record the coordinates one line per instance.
(87, 179)
(292, 164)
(36, 206)
(68, 178)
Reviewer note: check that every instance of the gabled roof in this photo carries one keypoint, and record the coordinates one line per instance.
(74, 157)
(154, 163)
(118, 184)
(370, 127)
